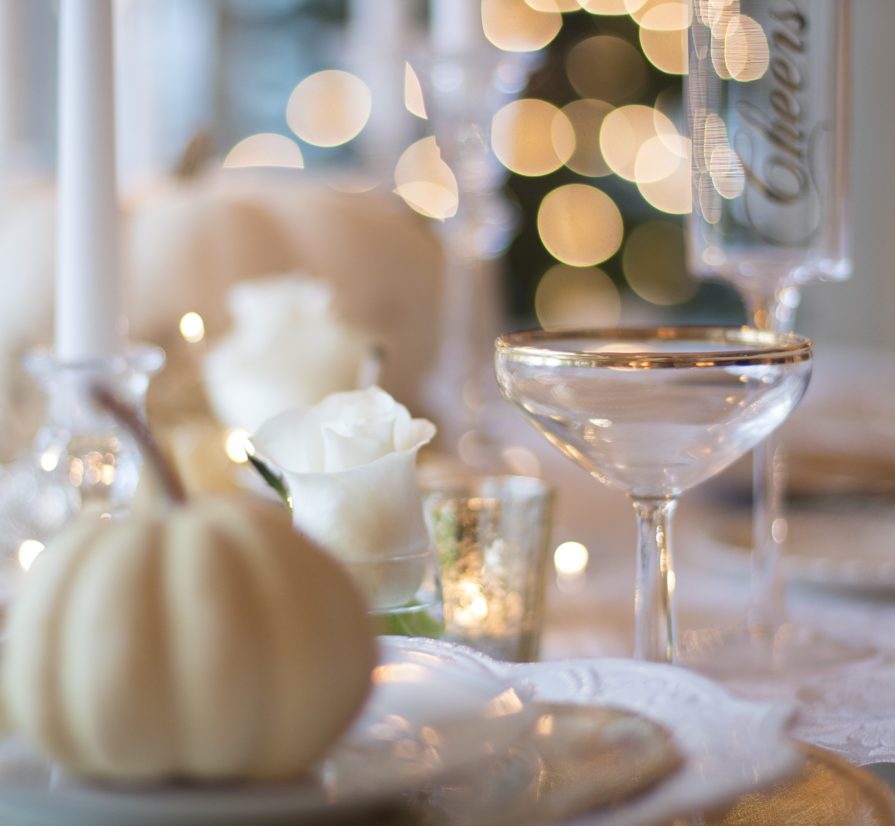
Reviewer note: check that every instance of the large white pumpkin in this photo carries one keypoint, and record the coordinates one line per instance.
(204, 640)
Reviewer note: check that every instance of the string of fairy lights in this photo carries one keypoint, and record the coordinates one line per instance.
(598, 158)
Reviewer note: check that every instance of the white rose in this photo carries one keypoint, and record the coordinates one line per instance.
(286, 349)
(349, 463)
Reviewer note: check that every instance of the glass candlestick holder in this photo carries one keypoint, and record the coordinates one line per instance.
(79, 458)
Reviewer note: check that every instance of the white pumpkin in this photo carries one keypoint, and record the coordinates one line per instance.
(201, 639)
(185, 242)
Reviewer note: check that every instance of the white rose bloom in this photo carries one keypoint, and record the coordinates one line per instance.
(349, 463)
(286, 349)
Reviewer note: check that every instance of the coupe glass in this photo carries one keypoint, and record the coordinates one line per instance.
(654, 412)
(767, 103)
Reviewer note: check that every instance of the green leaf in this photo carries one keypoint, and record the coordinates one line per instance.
(273, 479)
(409, 623)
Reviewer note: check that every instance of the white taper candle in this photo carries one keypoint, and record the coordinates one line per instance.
(13, 77)
(380, 38)
(455, 25)
(89, 320)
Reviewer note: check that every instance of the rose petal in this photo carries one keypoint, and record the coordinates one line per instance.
(343, 451)
(287, 349)
(350, 465)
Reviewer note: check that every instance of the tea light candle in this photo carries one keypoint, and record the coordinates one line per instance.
(89, 323)
(491, 535)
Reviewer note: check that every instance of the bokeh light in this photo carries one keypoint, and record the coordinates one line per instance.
(413, 93)
(746, 51)
(521, 461)
(713, 133)
(607, 7)
(720, 17)
(192, 327)
(716, 14)
(672, 194)
(352, 182)
(553, 5)
(570, 558)
(666, 50)
(514, 26)
(659, 157)
(580, 225)
(329, 108)
(726, 169)
(425, 182)
(654, 265)
(625, 131)
(49, 459)
(586, 117)
(28, 551)
(606, 67)
(532, 137)
(660, 15)
(708, 202)
(576, 297)
(236, 445)
(266, 149)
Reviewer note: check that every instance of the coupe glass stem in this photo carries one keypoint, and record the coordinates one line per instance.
(654, 636)
(775, 311)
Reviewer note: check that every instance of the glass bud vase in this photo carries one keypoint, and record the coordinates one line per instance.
(79, 457)
(405, 594)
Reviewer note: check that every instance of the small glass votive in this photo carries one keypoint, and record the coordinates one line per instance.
(491, 534)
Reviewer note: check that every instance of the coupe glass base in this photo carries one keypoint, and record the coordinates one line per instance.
(759, 652)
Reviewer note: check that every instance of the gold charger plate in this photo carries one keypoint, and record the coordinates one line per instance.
(829, 792)
(579, 760)
(594, 756)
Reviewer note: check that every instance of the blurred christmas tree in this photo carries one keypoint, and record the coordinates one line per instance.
(601, 239)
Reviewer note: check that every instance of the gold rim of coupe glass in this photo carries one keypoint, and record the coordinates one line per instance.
(756, 347)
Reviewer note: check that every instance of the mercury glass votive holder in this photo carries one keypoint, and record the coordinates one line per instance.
(491, 534)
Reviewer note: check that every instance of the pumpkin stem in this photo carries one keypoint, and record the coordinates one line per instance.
(126, 415)
(195, 154)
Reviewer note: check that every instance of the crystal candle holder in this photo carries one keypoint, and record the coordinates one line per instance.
(79, 457)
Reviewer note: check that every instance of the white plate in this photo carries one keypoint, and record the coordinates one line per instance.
(434, 711)
(729, 746)
(440, 712)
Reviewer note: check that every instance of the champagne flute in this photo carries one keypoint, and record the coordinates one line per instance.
(654, 412)
(766, 102)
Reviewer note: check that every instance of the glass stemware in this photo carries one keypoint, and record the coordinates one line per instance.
(463, 90)
(767, 106)
(654, 412)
